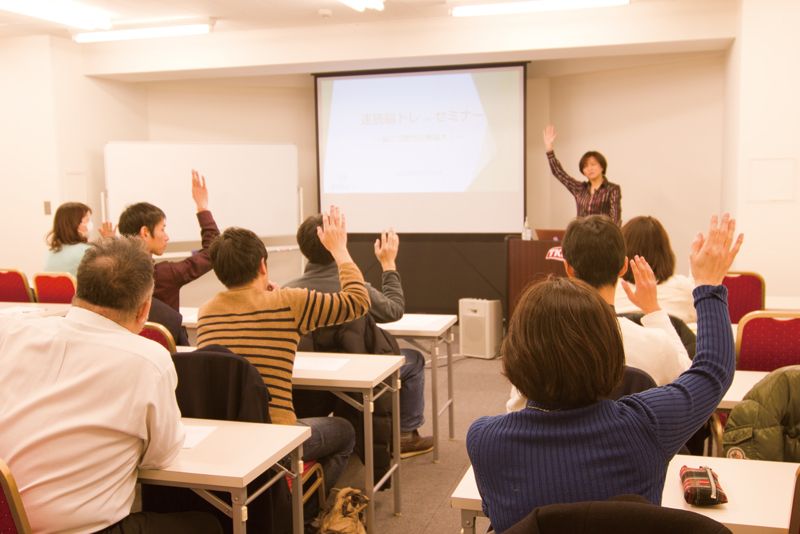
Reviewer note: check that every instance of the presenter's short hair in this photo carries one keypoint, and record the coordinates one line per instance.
(310, 245)
(137, 215)
(116, 274)
(236, 255)
(564, 347)
(646, 237)
(594, 247)
(601, 159)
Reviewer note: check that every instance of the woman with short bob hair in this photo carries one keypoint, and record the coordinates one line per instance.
(645, 236)
(563, 351)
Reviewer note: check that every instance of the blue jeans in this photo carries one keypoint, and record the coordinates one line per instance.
(412, 391)
(331, 444)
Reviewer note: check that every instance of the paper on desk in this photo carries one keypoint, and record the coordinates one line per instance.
(196, 434)
(315, 363)
(20, 310)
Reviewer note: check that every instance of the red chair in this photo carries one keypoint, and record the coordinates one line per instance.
(311, 468)
(54, 288)
(159, 334)
(768, 340)
(14, 286)
(746, 293)
(13, 519)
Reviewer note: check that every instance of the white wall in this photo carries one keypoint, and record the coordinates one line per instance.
(55, 122)
(28, 153)
(660, 128)
(765, 84)
(273, 110)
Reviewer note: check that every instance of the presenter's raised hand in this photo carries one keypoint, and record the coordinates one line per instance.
(199, 191)
(645, 295)
(386, 247)
(549, 137)
(711, 256)
(333, 235)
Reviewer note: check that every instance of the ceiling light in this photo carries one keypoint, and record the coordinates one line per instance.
(66, 12)
(151, 32)
(361, 5)
(530, 6)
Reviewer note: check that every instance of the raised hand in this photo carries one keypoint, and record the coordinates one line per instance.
(107, 229)
(645, 296)
(199, 191)
(333, 235)
(549, 137)
(712, 256)
(386, 247)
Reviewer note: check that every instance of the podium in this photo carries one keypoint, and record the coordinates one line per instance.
(527, 262)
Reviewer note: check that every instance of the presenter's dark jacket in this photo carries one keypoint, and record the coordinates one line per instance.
(607, 200)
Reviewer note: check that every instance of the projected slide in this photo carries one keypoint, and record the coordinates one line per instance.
(389, 141)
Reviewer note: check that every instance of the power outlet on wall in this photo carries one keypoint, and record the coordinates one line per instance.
(47, 207)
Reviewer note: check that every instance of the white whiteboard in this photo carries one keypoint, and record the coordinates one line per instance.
(251, 186)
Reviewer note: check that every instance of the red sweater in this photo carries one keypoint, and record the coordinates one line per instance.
(170, 276)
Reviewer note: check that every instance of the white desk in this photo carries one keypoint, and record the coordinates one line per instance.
(189, 314)
(417, 329)
(762, 496)
(231, 457)
(361, 374)
(32, 309)
(743, 381)
(782, 303)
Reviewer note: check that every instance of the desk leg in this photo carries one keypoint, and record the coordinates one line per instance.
(451, 409)
(239, 510)
(369, 461)
(435, 398)
(396, 439)
(297, 493)
(468, 521)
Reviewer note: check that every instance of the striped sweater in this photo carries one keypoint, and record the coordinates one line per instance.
(533, 457)
(265, 327)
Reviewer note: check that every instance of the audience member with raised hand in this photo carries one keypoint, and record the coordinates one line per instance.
(149, 223)
(69, 238)
(596, 196)
(594, 252)
(264, 323)
(646, 237)
(564, 352)
(387, 304)
(86, 402)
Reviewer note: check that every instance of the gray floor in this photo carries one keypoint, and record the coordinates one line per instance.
(480, 389)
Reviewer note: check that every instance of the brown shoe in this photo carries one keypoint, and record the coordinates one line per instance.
(412, 444)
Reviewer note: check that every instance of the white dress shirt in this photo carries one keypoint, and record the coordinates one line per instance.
(674, 297)
(83, 404)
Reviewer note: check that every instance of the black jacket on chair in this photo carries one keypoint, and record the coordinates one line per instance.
(214, 383)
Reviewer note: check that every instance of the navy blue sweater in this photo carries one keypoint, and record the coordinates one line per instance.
(530, 458)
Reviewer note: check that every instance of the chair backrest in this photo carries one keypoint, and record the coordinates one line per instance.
(768, 340)
(58, 288)
(14, 286)
(619, 515)
(746, 293)
(633, 381)
(159, 334)
(13, 518)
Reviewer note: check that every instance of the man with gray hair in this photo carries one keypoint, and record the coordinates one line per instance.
(85, 402)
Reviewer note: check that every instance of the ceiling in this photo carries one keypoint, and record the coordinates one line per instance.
(236, 14)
